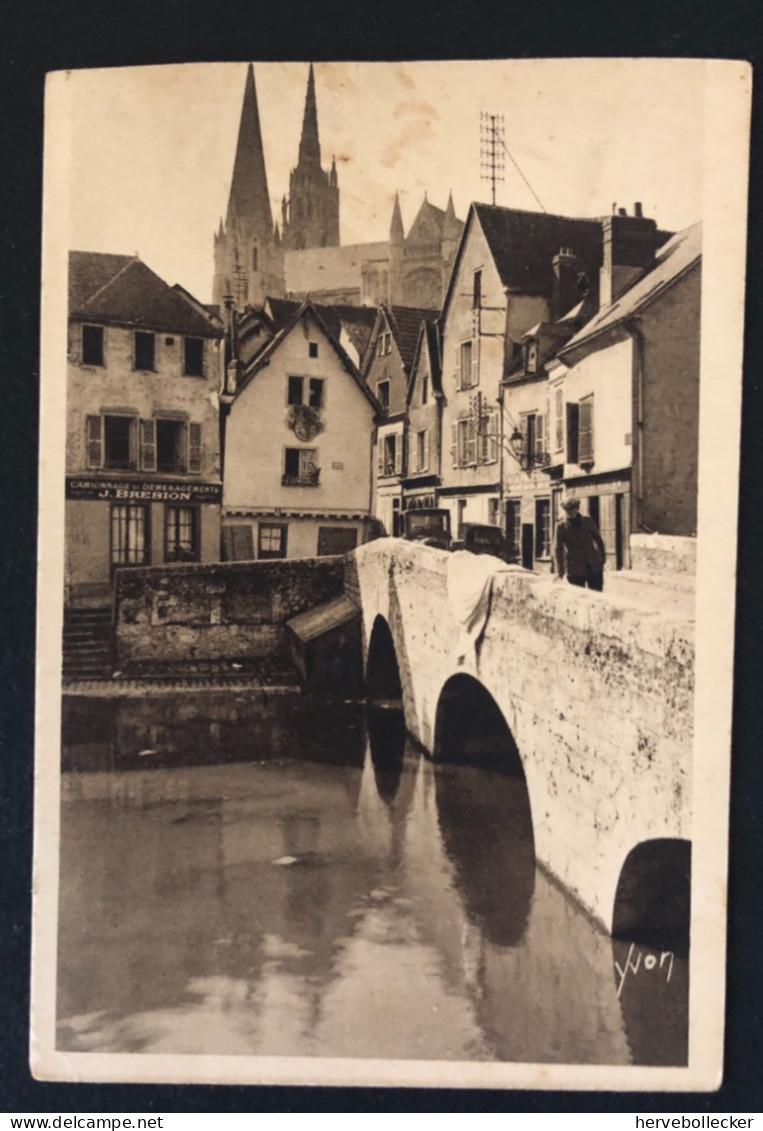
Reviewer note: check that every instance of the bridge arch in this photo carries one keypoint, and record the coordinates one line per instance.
(652, 902)
(484, 817)
(382, 676)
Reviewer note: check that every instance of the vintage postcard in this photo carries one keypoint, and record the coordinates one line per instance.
(389, 455)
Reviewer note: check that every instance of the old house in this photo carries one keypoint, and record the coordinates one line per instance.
(387, 371)
(297, 447)
(624, 390)
(424, 421)
(502, 285)
(142, 457)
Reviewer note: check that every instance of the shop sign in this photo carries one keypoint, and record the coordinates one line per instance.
(142, 490)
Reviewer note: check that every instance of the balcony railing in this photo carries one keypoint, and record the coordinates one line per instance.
(306, 479)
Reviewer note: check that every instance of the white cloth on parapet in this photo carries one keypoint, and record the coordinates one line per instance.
(469, 584)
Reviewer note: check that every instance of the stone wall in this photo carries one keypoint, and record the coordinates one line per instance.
(597, 693)
(660, 553)
(186, 615)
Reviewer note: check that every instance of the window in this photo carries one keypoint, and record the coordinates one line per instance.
(193, 357)
(477, 289)
(382, 392)
(513, 529)
(422, 450)
(425, 389)
(487, 440)
(467, 364)
(255, 258)
(170, 445)
(493, 514)
(542, 528)
(466, 442)
(585, 431)
(531, 357)
(300, 468)
(295, 393)
(390, 455)
(92, 345)
(336, 540)
(312, 349)
(181, 542)
(271, 540)
(130, 544)
(110, 442)
(572, 432)
(144, 350)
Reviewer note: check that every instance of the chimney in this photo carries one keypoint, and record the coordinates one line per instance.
(630, 243)
(637, 210)
(565, 294)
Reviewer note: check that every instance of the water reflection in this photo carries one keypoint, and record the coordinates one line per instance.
(283, 879)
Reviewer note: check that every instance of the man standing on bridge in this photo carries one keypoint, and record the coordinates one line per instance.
(579, 548)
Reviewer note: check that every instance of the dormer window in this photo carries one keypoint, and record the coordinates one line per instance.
(531, 357)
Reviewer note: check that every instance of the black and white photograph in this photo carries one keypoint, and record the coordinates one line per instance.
(389, 454)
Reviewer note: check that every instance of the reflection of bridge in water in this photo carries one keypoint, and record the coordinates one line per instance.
(586, 699)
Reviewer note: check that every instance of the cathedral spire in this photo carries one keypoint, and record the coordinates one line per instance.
(396, 230)
(309, 145)
(249, 186)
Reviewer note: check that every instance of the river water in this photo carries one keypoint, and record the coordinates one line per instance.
(279, 875)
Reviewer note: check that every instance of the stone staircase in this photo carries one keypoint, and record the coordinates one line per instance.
(87, 644)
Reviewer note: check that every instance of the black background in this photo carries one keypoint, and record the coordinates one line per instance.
(37, 38)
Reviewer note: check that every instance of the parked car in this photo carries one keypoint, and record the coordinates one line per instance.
(430, 525)
(481, 538)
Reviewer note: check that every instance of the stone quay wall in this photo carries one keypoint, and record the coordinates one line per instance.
(184, 615)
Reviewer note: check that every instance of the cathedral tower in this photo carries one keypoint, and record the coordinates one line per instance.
(310, 215)
(248, 252)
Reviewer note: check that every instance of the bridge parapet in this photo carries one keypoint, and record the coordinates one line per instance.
(596, 689)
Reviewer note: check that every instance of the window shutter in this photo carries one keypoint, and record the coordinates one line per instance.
(585, 430)
(148, 445)
(454, 445)
(540, 434)
(572, 433)
(559, 420)
(426, 451)
(380, 455)
(399, 455)
(238, 544)
(475, 361)
(471, 442)
(492, 437)
(194, 448)
(457, 367)
(94, 441)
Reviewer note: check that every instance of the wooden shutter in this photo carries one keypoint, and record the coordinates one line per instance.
(147, 445)
(426, 451)
(471, 442)
(540, 435)
(492, 437)
(585, 430)
(194, 448)
(457, 367)
(572, 432)
(475, 361)
(94, 441)
(454, 445)
(399, 454)
(559, 420)
(238, 544)
(379, 454)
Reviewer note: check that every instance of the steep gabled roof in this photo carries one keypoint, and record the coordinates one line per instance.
(429, 339)
(356, 321)
(673, 259)
(523, 244)
(122, 289)
(264, 356)
(404, 323)
(89, 272)
(429, 219)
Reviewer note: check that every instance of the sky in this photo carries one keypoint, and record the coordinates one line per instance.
(151, 148)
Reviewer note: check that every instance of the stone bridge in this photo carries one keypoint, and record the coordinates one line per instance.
(593, 697)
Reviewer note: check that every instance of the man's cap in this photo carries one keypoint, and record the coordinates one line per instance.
(570, 503)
